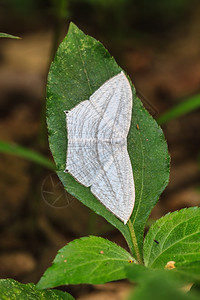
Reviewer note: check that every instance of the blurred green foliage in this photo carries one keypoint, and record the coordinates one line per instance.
(6, 35)
(60, 8)
(22, 6)
(180, 109)
(144, 15)
(10, 148)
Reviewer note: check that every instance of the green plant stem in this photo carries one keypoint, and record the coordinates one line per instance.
(134, 241)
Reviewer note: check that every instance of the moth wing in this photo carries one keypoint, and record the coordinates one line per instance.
(82, 161)
(113, 102)
(114, 185)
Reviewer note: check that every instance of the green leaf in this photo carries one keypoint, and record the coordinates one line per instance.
(156, 284)
(183, 108)
(195, 289)
(80, 67)
(137, 273)
(178, 237)
(159, 285)
(87, 260)
(11, 289)
(189, 271)
(6, 35)
(31, 155)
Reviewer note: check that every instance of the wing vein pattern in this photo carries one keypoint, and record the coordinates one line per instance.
(97, 155)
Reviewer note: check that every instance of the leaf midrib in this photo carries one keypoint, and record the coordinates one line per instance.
(82, 61)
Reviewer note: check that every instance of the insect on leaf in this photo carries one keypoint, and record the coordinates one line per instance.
(97, 145)
(81, 66)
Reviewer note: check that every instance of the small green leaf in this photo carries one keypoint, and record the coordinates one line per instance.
(87, 260)
(189, 271)
(11, 289)
(156, 284)
(31, 155)
(6, 35)
(178, 237)
(80, 67)
(137, 273)
(159, 285)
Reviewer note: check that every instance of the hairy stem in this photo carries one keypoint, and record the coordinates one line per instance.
(134, 241)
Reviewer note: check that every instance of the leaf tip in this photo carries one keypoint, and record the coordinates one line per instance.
(72, 27)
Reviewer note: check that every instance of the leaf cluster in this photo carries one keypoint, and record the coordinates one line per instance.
(169, 255)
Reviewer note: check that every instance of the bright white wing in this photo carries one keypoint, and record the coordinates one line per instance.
(97, 152)
(82, 163)
(114, 186)
(103, 118)
(113, 102)
(82, 122)
(83, 145)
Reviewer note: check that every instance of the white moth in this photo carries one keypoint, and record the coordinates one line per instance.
(97, 153)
